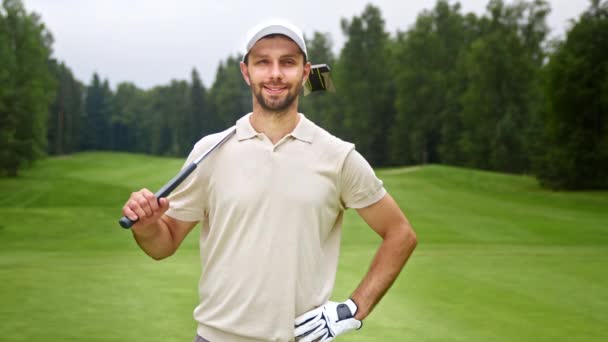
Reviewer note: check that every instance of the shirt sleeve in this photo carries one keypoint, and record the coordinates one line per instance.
(188, 201)
(359, 186)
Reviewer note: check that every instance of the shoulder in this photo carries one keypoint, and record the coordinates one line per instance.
(330, 145)
(212, 139)
(208, 141)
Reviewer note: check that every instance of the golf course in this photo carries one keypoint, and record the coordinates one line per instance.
(499, 258)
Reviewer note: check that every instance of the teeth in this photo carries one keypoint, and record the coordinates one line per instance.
(274, 89)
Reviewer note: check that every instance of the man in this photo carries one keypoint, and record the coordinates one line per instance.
(271, 201)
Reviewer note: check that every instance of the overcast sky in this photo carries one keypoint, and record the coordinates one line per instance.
(150, 42)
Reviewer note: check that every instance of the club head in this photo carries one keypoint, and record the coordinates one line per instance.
(319, 79)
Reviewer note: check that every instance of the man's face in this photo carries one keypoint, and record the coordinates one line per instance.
(275, 71)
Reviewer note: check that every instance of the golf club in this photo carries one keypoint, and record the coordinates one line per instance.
(319, 80)
(126, 222)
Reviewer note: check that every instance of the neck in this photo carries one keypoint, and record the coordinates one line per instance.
(274, 125)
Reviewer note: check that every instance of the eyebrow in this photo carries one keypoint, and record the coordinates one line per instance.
(291, 55)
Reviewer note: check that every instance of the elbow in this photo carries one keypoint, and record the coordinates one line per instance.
(160, 256)
(413, 240)
(402, 234)
(410, 239)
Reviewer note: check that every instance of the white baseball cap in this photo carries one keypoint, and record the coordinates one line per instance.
(275, 26)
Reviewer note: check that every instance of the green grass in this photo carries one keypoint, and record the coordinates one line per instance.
(499, 259)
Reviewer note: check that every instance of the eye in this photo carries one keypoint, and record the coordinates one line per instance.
(289, 61)
(262, 62)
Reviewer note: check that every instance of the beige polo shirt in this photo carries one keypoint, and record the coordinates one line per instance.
(271, 223)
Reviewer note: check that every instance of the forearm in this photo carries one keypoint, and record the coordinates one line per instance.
(395, 250)
(155, 239)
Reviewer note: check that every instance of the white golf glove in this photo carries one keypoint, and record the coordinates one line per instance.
(326, 322)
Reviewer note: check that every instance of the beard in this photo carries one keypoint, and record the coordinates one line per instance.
(274, 104)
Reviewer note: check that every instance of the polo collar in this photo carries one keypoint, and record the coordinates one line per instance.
(304, 131)
(244, 130)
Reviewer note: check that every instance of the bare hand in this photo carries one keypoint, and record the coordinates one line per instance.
(145, 208)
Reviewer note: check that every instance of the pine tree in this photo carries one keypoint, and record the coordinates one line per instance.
(65, 112)
(27, 86)
(575, 143)
(502, 70)
(96, 122)
(364, 79)
(230, 95)
(425, 65)
(322, 107)
(200, 119)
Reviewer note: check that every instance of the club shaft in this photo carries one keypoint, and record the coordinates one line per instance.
(126, 222)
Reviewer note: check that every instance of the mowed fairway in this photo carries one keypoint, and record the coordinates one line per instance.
(499, 259)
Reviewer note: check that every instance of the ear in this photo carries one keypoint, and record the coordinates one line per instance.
(245, 72)
(306, 72)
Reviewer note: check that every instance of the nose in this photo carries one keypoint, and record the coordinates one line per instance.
(275, 71)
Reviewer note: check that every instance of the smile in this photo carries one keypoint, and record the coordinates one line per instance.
(274, 90)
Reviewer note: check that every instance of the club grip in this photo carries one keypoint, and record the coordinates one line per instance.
(126, 222)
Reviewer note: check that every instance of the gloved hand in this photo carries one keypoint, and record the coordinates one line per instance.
(326, 322)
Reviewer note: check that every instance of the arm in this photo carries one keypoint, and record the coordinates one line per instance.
(360, 187)
(157, 234)
(399, 240)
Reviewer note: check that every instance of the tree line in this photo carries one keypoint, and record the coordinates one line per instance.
(488, 91)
